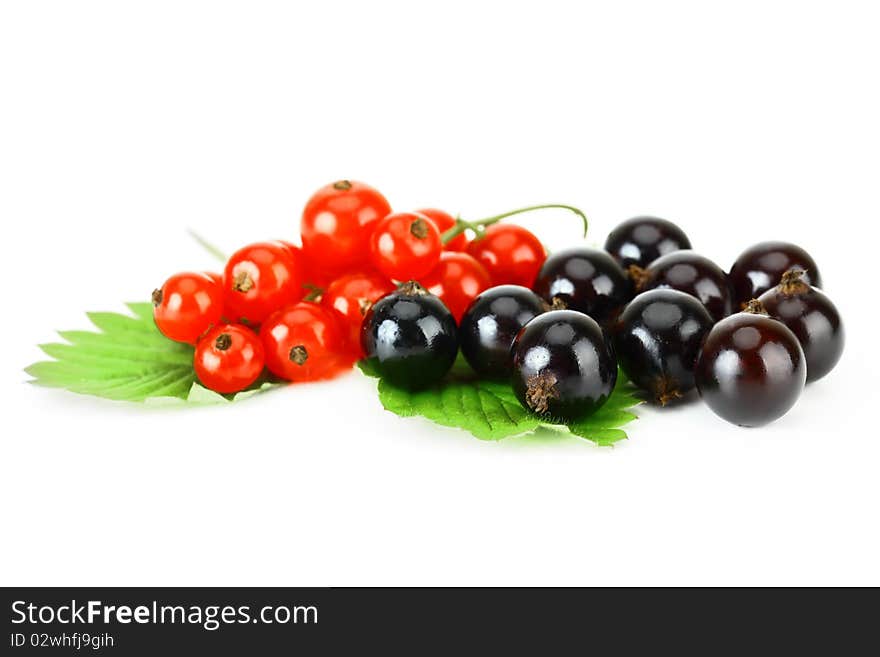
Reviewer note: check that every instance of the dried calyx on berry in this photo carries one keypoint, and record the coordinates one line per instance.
(298, 354)
(419, 228)
(540, 390)
(794, 281)
(755, 307)
(242, 282)
(412, 289)
(640, 276)
(223, 342)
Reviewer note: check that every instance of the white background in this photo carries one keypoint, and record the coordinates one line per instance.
(123, 124)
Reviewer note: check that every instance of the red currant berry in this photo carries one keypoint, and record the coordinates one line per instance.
(457, 279)
(292, 248)
(405, 245)
(511, 254)
(187, 305)
(261, 278)
(214, 276)
(444, 221)
(336, 225)
(228, 358)
(313, 278)
(350, 297)
(304, 342)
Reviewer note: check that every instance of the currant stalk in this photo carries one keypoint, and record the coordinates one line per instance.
(479, 225)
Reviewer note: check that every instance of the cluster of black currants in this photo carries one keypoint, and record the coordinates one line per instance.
(747, 340)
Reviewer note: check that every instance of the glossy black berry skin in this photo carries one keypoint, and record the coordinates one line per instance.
(562, 367)
(410, 337)
(657, 340)
(641, 240)
(587, 280)
(760, 267)
(812, 317)
(751, 369)
(692, 273)
(490, 324)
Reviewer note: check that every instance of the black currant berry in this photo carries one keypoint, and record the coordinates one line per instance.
(410, 337)
(688, 272)
(751, 369)
(812, 317)
(490, 324)
(657, 340)
(587, 280)
(641, 240)
(761, 267)
(562, 366)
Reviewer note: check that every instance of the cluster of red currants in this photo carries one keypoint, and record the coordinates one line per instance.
(747, 340)
(297, 311)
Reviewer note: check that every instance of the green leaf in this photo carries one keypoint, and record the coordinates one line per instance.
(490, 411)
(127, 359)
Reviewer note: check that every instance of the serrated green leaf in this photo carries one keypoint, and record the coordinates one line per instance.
(490, 410)
(128, 359)
(199, 394)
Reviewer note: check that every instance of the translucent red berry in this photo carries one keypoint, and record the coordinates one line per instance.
(228, 358)
(511, 254)
(456, 280)
(337, 223)
(261, 278)
(305, 342)
(187, 305)
(405, 245)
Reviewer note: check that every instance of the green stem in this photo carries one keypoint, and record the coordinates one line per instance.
(462, 225)
(205, 244)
